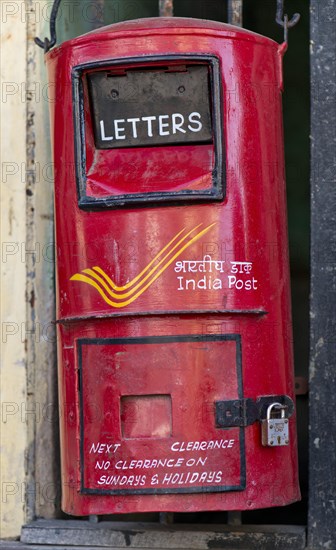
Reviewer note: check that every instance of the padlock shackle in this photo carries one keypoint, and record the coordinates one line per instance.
(273, 405)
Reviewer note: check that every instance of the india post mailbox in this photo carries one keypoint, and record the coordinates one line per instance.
(175, 352)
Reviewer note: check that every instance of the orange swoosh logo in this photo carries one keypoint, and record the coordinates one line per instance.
(128, 293)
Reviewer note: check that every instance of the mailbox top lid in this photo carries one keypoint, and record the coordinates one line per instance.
(173, 25)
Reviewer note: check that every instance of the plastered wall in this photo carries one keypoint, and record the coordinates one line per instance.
(29, 470)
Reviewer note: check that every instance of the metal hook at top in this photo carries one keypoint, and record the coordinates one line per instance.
(46, 44)
(283, 20)
(166, 8)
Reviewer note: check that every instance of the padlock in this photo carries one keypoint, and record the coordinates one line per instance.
(274, 431)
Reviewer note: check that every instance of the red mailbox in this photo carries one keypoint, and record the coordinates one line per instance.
(173, 311)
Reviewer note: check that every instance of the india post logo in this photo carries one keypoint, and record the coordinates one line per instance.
(121, 296)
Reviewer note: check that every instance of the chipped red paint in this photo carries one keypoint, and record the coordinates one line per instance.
(166, 308)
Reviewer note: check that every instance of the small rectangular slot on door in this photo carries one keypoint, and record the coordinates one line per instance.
(146, 416)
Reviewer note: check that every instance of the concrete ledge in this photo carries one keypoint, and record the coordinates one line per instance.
(120, 535)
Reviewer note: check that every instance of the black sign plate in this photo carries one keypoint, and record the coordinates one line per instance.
(145, 108)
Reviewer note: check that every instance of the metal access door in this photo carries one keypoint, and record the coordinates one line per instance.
(148, 435)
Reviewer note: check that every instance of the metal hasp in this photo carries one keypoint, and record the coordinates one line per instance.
(246, 411)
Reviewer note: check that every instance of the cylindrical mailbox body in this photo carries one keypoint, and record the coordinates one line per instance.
(173, 297)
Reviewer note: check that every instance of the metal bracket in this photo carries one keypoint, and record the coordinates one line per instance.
(235, 12)
(244, 412)
(47, 43)
(166, 8)
(283, 19)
